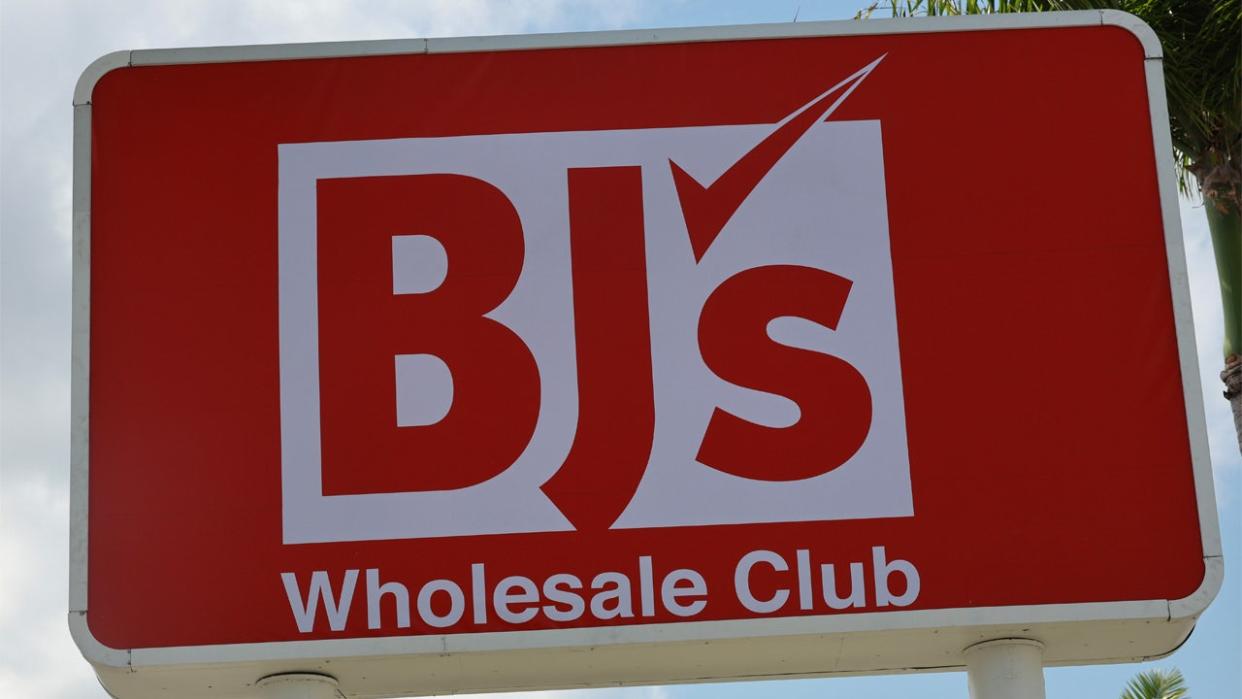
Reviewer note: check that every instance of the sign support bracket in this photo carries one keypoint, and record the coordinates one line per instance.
(1006, 668)
(298, 685)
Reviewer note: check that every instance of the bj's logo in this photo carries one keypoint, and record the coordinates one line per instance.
(585, 330)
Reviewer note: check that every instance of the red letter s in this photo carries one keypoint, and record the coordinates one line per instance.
(832, 394)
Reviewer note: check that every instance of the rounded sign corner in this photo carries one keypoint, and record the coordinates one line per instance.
(84, 90)
(1193, 604)
(94, 650)
(1141, 30)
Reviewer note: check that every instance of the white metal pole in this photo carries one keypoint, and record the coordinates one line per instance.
(298, 685)
(1006, 668)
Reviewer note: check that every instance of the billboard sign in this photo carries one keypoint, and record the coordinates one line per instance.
(630, 357)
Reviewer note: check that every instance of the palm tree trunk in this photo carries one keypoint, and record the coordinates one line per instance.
(1225, 225)
(1232, 376)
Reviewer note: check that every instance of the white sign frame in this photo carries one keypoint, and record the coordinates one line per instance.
(865, 643)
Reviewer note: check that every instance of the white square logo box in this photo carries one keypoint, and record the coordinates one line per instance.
(822, 205)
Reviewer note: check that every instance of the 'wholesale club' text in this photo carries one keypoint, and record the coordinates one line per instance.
(610, 595)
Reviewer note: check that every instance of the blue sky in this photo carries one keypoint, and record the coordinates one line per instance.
(44, 44)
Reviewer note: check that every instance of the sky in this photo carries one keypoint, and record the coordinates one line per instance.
(44, 45)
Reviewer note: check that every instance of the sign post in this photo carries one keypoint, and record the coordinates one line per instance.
(1006, 668)
(487, 364)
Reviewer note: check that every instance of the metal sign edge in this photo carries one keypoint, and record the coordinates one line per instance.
(1183, 610)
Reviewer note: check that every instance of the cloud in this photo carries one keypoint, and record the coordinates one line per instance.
(44, 45)
(37, 657)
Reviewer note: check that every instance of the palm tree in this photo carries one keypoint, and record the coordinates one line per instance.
(1203, 79)
(1156, 684)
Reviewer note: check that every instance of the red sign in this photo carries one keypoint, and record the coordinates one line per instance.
(773, 335)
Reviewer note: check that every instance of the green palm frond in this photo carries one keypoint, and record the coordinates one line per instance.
(1156, 684)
